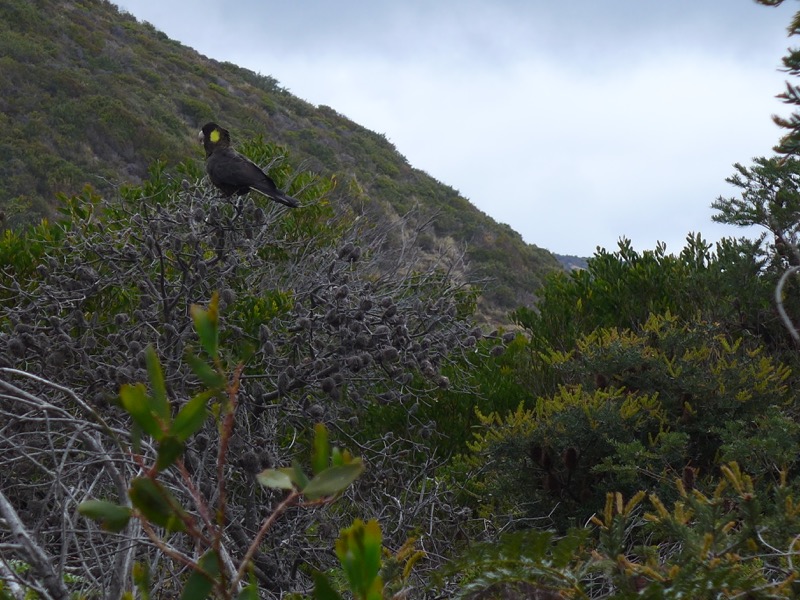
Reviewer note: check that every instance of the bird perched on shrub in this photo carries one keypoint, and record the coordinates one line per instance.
(231, 172)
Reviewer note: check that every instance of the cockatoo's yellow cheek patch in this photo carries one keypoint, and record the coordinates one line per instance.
(214, 137)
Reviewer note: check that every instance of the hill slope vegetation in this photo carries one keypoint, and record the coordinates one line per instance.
(91, 95)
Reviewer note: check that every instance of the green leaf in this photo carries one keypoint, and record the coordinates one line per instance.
(566, 548)
(206, 323)
(157, 504)
(154, 372)
(299, 478)
(375, 591)
(322, 449)
(275, 478)
(359, 551)
(112, 517)
(191, 416)
(333, 480)
(138, 404)
(141, 578)
(205, 372)
(249, 593)
(198, 586)
(373, 543)
(340, 457)
(323, 590)
(136, 438)
(169, 450)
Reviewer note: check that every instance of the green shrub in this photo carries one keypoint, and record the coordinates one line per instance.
(730, 540)
(632, 409)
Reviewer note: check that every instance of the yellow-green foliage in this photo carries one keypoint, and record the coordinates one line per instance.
(632, 409)
(732, 541)
(737, 539)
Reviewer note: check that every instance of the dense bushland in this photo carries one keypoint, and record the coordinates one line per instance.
(638, 433)
(325, 319)
(202, 397)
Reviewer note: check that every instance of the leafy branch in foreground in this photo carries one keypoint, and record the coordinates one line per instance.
(214, 568)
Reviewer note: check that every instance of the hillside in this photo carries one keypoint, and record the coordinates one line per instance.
(571, 262)
(91, 95)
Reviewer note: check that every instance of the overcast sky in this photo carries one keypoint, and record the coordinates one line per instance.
(574, 122)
